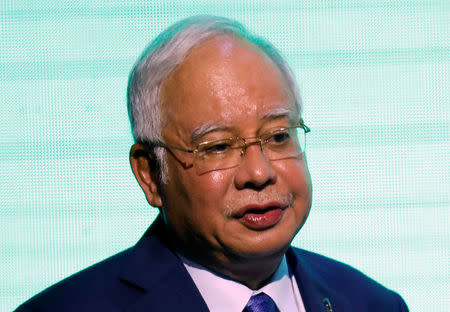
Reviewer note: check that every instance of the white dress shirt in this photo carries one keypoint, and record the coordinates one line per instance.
(225, 295)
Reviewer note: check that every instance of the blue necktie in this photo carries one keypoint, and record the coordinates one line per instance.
(260, 303)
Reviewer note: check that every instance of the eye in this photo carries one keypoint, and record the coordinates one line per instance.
(216, 147)
(279, 137)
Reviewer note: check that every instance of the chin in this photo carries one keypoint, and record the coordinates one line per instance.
(267, 244)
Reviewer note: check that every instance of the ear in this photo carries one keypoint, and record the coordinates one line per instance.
(144, 169)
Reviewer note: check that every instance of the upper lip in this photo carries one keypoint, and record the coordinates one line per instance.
(259, 208)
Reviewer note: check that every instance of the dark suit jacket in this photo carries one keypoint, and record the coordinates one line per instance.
(150, 277)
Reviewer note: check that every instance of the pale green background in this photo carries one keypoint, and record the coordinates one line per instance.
(375, 82)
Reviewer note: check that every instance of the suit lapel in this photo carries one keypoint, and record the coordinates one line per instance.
(313, 284)
(160, 276)
(165, 285)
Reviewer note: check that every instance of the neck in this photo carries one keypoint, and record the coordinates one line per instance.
(254, 271)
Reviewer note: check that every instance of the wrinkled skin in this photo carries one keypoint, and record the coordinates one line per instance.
(228, 86)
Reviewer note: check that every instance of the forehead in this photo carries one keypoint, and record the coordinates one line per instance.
(224, 80)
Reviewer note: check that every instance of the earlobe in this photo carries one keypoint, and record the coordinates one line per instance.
(144, 171)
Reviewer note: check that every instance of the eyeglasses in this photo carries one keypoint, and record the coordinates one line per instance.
(277, 144)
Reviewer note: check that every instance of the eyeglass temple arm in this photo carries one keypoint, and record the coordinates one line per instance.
(301, 123)
(161, 144)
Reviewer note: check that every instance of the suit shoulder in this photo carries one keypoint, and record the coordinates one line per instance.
(87, 286)
(331, 269)
(344, 281)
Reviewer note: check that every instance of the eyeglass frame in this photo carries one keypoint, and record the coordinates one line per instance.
(257, 140)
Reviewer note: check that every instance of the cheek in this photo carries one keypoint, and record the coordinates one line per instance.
(296, 176)
(208, 188)
(207, 194)
(218, 177)
(298, 181)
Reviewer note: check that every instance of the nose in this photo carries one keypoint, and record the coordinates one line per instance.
(255, 170)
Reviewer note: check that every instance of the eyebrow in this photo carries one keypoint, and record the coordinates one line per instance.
(279, 113)
(206, 128)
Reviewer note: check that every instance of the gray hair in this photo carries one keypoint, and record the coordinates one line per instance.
(161, 57)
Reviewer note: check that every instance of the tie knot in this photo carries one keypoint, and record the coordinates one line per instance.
(260, 303)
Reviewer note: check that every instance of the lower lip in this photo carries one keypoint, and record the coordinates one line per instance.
(256, 221)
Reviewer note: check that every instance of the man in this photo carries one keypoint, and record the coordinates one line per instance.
(219, 150)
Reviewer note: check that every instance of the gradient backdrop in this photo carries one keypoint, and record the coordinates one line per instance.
(375, 82)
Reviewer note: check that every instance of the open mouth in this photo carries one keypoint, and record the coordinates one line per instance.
(261, 218)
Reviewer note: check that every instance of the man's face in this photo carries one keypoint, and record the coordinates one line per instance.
(225, 88)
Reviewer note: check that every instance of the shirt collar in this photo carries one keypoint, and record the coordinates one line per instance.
(222, 294)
